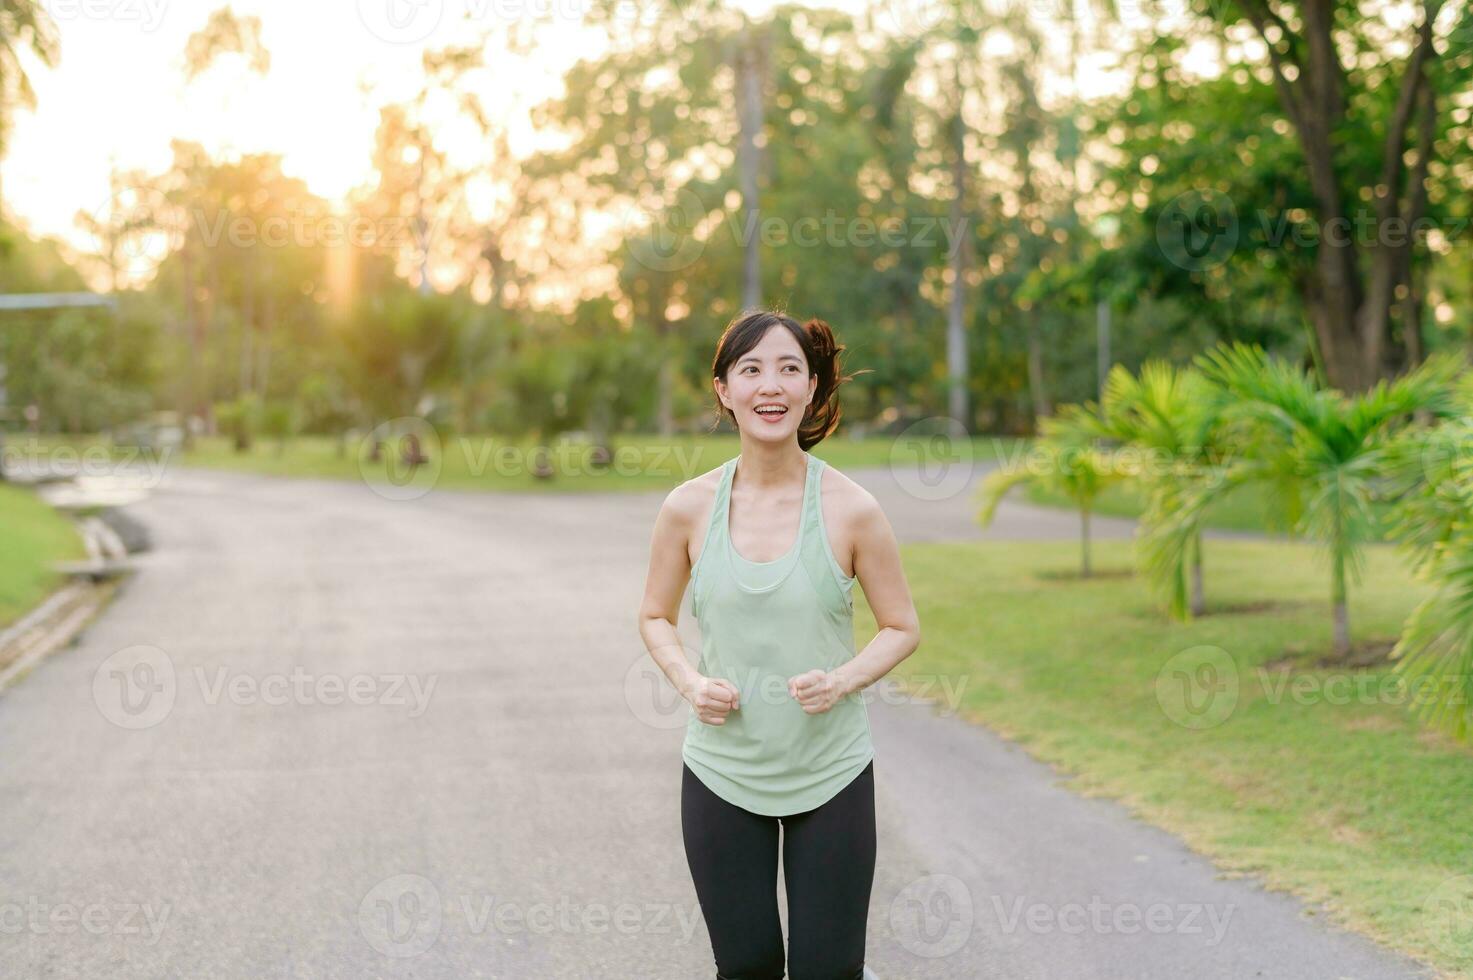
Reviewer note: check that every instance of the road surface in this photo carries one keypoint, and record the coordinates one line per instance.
(326, 734)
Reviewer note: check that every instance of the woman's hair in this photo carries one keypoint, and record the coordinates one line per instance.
(819, 348)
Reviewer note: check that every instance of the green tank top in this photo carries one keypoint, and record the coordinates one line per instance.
(761, 623)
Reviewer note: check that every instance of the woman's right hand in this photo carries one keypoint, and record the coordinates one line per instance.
(712, 698)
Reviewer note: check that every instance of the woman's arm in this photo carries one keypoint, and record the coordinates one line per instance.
(669, 573)
(877, 566)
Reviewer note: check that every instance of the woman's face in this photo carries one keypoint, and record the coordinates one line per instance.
(774, 373)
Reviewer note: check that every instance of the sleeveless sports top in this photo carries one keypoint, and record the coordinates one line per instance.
(763, 622)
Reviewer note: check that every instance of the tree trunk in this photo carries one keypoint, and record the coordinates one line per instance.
(1337, 595)
(750, 62)
(1198, 602)
(192, 394)
(956, 334)
(1036, 390)
(1084, 542)
(1349, 306)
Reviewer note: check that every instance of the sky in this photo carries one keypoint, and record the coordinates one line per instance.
(118, 94)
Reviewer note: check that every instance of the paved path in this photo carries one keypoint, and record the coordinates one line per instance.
(182, 796)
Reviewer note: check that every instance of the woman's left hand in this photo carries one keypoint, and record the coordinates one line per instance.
(817, 690)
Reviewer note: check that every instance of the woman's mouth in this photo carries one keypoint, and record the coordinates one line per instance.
(771, 412)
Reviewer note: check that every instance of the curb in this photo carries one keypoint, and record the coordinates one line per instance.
(47, 628)
(62, 616)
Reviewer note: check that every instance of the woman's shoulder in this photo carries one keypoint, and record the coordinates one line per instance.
(844, 499)
(689, 501)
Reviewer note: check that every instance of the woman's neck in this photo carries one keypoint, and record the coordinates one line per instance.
(771, 467)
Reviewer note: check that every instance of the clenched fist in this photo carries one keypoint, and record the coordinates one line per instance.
(712, 698)
(817, 690)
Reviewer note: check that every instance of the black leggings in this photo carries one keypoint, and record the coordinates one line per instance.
(828, 868)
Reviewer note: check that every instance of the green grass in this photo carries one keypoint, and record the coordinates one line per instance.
(482, 462)
(1350, 805)
(1244, 509)
(34, 536)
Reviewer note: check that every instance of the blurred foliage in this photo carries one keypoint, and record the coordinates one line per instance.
(482, 297)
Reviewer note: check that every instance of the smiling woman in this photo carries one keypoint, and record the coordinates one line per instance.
(772, 543)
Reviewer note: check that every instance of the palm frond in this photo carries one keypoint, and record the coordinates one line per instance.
(1434, 656)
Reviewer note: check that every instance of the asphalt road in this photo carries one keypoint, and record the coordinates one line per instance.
(327, 734)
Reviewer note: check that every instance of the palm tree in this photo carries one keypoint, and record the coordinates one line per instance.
(23, 24)
(1319, 451)
(1430, 476)
(1174, 416)
(1065, 461)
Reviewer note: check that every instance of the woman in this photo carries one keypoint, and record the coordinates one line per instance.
(778, 734)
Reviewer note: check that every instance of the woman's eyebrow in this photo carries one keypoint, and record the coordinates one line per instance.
(784, 357)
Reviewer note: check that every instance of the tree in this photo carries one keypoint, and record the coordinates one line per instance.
(1174, 416)
(1334, 77)
(1318, 451)
(23, 24)
(1430, 476)
(1064, 460)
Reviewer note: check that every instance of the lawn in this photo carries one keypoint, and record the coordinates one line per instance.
(34, 536)
(1318, 780)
